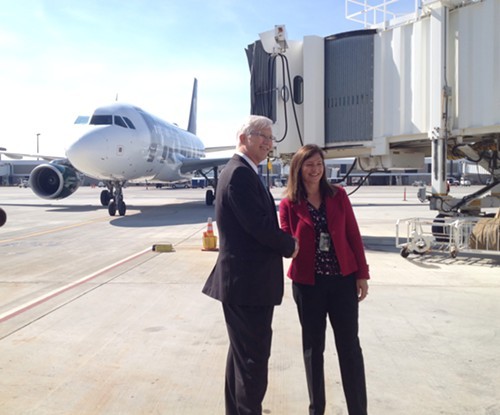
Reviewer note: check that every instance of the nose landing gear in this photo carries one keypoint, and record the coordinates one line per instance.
(113, 199)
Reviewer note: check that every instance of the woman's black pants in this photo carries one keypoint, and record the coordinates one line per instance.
(335, 297)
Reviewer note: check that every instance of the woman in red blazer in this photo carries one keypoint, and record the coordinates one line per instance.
(329, 276)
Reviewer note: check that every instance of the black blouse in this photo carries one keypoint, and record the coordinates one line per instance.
(326, 259)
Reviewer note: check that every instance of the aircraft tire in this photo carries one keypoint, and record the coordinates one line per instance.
(122, 208)
(209, 197)
(112, 208)
(105, 197)
(3, 217)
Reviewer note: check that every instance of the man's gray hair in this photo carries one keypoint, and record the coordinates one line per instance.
(255, 122)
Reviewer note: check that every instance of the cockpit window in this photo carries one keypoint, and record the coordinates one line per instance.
(82, 119)
(101, 120)
(129, 123)
(119, 121)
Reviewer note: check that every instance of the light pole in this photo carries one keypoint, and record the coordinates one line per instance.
(37, 143)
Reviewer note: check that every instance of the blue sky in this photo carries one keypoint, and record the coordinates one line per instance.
(62, 58)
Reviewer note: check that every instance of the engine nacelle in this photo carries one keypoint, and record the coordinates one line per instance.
(54, 181)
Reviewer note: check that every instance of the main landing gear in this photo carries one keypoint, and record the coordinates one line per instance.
(209, 197)
(113, 198)
(210, 194)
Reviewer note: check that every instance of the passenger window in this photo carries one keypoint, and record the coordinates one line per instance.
(119, 121)
(129, 123)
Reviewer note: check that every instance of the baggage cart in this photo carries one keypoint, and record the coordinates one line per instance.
(447, 235)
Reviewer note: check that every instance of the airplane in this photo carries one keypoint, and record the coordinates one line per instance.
(123, 143)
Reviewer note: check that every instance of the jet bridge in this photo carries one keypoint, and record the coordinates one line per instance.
(425, 84)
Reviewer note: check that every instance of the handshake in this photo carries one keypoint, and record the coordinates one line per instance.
(296, 251)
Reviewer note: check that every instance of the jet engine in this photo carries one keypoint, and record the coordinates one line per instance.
(54, 180)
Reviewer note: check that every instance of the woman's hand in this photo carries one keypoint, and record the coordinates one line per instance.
(362, 286)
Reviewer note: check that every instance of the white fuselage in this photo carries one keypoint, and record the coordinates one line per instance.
(122, 142)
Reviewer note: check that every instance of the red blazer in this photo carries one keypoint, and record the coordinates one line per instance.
(343, 228)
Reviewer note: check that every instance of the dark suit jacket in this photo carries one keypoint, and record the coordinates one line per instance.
(249, 268)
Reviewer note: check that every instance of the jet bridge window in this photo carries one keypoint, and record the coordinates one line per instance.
(119, 121)
(101, 120)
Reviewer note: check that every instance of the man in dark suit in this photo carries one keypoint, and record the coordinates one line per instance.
(248, 275)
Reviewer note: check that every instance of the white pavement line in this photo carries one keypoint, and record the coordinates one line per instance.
(33, 303)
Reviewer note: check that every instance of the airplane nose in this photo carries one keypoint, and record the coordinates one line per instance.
(89, 152)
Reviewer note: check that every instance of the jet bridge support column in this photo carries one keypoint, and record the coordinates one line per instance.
(439, 101)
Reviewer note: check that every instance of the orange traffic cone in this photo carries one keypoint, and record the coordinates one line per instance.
(209, 239)
(210, 227)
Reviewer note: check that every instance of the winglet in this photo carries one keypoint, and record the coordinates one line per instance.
(192, 112)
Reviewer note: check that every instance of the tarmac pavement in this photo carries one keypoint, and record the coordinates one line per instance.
(92, 321)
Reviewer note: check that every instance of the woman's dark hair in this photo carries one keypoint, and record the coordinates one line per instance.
(296, 190)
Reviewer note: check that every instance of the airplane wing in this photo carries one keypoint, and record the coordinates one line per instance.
(221, 148)
(189, 165)
(19, 156)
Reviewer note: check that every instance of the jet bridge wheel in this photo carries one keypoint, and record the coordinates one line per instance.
(440, 231)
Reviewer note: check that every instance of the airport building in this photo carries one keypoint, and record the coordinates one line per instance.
(17, 172)
(462, 171)
(349, 172)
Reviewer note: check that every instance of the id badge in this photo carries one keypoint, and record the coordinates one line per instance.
(324, 242)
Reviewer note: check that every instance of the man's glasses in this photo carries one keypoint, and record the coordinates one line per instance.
(262, 135)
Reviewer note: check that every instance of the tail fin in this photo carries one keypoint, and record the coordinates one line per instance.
(192, 112)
